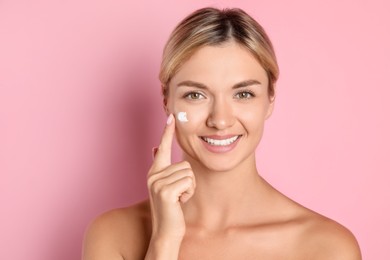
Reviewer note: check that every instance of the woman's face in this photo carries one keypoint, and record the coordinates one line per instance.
(223, 90)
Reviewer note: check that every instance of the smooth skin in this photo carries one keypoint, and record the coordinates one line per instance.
(216, 205)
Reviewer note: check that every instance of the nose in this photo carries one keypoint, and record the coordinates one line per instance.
(221, 115)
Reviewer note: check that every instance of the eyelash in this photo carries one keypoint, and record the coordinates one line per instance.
(246, 92)
(190, 95)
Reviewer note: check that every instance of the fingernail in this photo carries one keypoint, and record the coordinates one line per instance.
(154, 151)
(170, 119)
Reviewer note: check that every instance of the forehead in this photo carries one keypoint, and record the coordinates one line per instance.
(223, 65)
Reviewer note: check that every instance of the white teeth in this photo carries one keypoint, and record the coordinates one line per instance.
(220, 142)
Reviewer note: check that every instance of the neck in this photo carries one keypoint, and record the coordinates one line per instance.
(222, 198)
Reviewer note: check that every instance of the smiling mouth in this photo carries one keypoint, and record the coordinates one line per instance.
(221, 142)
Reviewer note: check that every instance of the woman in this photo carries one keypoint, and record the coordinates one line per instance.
(218, 72)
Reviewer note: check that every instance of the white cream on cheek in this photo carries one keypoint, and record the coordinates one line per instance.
(182, 117)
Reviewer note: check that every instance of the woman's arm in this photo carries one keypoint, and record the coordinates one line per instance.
(163, 249)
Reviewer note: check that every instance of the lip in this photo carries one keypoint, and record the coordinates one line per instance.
(221, 148)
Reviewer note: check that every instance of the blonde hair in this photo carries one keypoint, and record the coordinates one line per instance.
(212, 27)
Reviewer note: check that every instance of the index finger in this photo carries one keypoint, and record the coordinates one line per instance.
(162, 158)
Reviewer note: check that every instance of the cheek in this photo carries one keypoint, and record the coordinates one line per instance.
(196, 117)
(252, 117)
(195, 114)
(188, 132)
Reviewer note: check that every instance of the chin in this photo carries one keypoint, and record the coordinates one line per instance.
(223, 163)
(218, 167)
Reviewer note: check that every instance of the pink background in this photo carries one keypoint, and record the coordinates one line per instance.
(80, 109)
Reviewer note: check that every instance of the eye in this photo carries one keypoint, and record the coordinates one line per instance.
(194, 95)
(244, 95)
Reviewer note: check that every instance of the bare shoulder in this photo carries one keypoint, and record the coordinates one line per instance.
(326, 239)
(122, 233)
(314, 236)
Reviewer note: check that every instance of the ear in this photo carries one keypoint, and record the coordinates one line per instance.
(165, 106)
(270, 107)
(164, 93)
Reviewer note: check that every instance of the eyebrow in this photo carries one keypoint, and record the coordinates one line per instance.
(246, 83)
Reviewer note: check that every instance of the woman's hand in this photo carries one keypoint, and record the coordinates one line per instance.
(169, 185)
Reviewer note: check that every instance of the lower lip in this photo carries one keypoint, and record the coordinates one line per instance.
(220, 148)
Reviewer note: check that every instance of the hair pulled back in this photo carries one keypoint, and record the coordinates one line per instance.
(212, 27)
